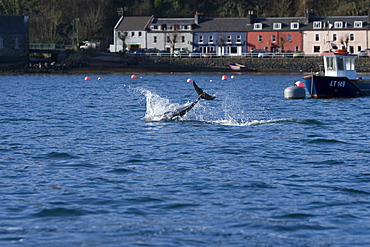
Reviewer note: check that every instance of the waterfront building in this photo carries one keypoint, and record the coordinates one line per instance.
(323, 33)
(275, 34)
(130, 33)
(14, 39)
(222, 36)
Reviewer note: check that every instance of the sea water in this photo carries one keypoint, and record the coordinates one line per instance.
(89, 163)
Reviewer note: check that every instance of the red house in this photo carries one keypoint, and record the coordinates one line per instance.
(275, 34)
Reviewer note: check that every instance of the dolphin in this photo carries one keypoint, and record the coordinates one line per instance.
(180, 112)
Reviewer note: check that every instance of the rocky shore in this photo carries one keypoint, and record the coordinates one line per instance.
(109, 63)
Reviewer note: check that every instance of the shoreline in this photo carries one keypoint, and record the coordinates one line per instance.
(107, 64)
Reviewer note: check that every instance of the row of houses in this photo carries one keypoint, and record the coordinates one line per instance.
(235, 36)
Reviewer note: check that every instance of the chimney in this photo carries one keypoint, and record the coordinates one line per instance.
(309, 17)
(250, 17)
(198, 17)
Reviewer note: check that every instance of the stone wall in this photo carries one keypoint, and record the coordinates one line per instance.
(280, 64)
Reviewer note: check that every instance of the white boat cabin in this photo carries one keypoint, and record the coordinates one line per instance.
(339, 64)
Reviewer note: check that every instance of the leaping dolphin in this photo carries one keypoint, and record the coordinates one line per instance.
(172, 115)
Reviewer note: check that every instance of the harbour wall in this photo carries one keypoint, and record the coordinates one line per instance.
(280, 64)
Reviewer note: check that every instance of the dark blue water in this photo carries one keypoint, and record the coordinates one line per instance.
(87, 163)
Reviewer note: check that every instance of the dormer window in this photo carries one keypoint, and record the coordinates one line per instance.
(357, 24)
(276, 26)
(317, 24)
(294, 25)
(257, 26)
(155, 27)
(338, 24)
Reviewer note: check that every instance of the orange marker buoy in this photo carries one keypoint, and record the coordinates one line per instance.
(189, 80)
(133, 77)
(224, 77)
(299, 84)
(87, 78)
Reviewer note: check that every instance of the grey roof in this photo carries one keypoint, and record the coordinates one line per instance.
(13, 24)
(234, 24)
(306, 23)
(134, 22)
(185, 21)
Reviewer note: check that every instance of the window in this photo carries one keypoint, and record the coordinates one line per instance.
(351, 49)
(338, 24)
(296, 48)
(168, 39)
(185, 27)
(238, 39)
(289, 37)
(317, 37)
(316, 48)
(335, 37)
(357, 24)
(211, 39)
(228, 39)
(294, 25)
(317, 24)
(359, 48)
(258, 26)
(259, 38)
(201, 39)
(232, 50)
(273, 38)
(276, 26)
(132, 34)
(182, 39)
(330, 63)
(155, 39)
(350, 63)
(140, 34)
(351, 37)
(155, 27)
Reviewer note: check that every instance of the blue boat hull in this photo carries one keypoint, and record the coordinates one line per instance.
(329, 87)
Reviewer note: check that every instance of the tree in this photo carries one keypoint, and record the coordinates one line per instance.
(172, 37)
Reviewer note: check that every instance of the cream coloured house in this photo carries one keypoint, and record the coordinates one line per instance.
(322, 33)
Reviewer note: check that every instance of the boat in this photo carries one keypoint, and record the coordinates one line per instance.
(339, 78)
(237, 66)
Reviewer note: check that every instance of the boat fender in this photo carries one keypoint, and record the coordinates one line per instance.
(294, 92)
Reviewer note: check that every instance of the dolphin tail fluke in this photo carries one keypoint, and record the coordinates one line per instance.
(201, 94)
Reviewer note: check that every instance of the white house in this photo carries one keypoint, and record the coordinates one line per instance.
(133, 31)
(162, 32)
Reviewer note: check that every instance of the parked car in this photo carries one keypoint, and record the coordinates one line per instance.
(364, 53)
(181, 52)
(151, 52)
(164, 53)
(195, 53)
(210, 54)
(263, 53)
(298, 54)
(140, 51)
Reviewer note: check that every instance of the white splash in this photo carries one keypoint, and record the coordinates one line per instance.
(156, 106)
